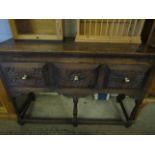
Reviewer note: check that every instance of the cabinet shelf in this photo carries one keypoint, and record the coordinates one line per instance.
(37, 29)
(109, 30)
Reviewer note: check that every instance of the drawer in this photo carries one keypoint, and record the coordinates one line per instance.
(127, 76)
(76, 75)
(23, 74)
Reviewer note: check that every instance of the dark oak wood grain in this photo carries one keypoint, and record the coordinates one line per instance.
(76, 69)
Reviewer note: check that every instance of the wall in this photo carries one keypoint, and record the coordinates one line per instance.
(5, 32)
(69, 28)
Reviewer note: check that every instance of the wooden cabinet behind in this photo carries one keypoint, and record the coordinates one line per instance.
(6, 107)
(110, 30)
(37, 29)
(152, 87)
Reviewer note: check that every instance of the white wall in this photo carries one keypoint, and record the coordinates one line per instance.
(69, 27)
(5, 32)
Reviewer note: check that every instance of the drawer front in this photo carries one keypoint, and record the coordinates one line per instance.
(23, 74)
(127, 76)
(76, 75)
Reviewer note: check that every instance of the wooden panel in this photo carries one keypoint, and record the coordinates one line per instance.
(2, 108)
(110, 30)
(36, 26)
(6, 107)
(152, 87)
(8, 116)
(149, 100)
(42, 29)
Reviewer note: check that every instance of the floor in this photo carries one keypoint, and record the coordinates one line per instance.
(59, 106)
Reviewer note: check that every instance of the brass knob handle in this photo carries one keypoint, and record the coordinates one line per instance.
(76, 78)
(126, 80)
(24, 77)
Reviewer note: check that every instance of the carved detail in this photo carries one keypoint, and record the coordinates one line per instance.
(17, 75)
(134, 79)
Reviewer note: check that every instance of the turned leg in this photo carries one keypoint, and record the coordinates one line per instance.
(133, 115)
(21, 113)
(136, 110)
(120, 99)
(75, 111)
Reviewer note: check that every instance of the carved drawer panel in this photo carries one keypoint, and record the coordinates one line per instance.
(72, 75)
(76, 75)
(23, 74)
(127, 76)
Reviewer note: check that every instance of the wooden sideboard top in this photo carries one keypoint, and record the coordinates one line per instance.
(66, 46)
(69, 48)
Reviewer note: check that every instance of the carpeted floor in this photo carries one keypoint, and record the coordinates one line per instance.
(60, 106)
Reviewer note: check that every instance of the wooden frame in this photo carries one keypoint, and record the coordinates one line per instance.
(57, 35)
(109, 30)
